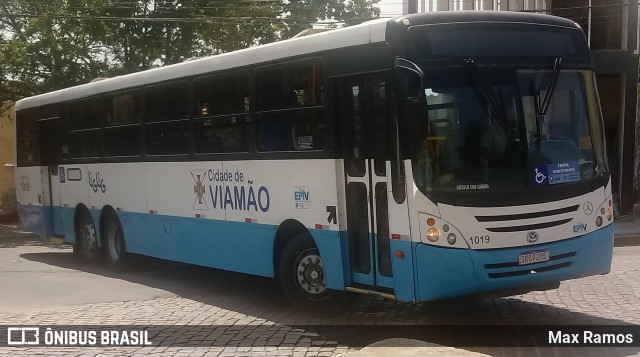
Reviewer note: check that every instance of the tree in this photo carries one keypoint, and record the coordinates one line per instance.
(52, 44)
(50, 47)
(306, 12)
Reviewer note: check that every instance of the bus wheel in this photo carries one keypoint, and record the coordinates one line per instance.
(301, 275)
(114, 247)
(86, 246)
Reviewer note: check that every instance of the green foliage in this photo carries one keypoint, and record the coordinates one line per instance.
(52, 44)
(8, 201)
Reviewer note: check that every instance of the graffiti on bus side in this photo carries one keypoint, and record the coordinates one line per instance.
(96, 183)
(223, 189)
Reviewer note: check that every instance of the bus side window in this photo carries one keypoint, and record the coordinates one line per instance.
(222, 106)
(27, 138)
(122, 131)
(290, 113)
(167, 124)
(87, 120)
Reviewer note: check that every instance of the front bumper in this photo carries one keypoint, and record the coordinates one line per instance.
(446, 272)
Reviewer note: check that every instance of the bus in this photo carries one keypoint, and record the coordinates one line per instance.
(417, 158)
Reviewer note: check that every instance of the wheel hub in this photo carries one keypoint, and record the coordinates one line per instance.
(310, 274)
(89, 239)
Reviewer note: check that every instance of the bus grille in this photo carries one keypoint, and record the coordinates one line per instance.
(523, 216)
(519, 270)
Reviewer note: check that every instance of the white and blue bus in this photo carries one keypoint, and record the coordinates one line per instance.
(416, 158)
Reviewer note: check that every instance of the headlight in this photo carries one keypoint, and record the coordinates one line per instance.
(433, 234)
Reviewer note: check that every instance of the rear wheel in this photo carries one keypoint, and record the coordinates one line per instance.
(302, 277)
(86, 246)
(114, 245)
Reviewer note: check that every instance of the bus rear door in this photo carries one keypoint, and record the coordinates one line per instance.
(53, 174)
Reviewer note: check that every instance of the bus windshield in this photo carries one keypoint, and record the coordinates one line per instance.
(487, 130)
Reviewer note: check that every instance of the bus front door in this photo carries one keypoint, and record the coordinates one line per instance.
(53, 174)
(363, 108)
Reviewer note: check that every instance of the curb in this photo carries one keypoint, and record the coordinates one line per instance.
(9, 218)
(626, 240)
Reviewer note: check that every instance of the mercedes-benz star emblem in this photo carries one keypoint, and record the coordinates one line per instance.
(532, 237)
(587, 208)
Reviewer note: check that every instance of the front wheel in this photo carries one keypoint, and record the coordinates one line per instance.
(302, 277)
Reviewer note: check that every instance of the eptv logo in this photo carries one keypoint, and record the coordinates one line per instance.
(21, 336)
(579, 228)
(301, 196)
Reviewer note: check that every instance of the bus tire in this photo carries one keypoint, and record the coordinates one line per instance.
(86, 246)
(301, 276)
(115, 250)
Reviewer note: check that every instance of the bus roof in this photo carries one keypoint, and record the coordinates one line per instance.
(450, 17)
(368, 32)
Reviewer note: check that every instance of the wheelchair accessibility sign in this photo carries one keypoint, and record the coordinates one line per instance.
(556, 173)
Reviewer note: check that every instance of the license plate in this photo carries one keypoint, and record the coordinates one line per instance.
(533, 256)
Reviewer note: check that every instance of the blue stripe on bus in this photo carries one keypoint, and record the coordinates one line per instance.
(247, 248)
(34, 219)
(330, 245)
(236, 246)
(403, 270)
(444, 272)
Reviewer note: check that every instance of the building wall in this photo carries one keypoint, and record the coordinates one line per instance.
(7, 140)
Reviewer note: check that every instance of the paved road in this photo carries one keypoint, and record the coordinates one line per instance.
(41, 284)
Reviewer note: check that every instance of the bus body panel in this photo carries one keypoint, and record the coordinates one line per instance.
(330, 245)
(576, 221)
(34, 218)
(30, 190)
(403, 270)
(509, 226)
(30, 194)
(122, 186)
(447, 272)
(236, 246)
(68, 222)
(196, 190)
(216, 214)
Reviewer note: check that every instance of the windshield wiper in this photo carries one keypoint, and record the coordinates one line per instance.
(483, 91)
(548, 85)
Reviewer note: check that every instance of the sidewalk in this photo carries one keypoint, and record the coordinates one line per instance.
(627, 231)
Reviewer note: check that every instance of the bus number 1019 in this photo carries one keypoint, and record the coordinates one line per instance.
(479, 239)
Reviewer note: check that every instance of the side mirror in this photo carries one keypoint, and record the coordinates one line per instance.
(410, 84)
(415, 121)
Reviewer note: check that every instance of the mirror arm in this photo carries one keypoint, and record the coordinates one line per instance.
(405, 64)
